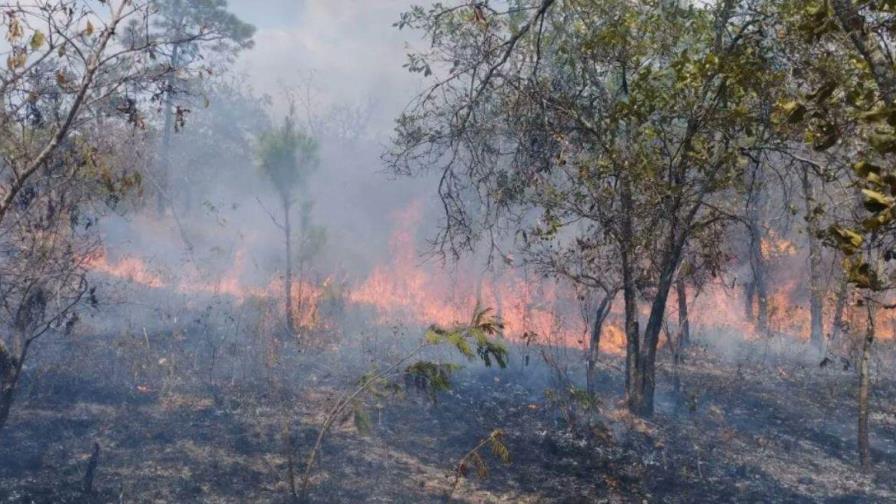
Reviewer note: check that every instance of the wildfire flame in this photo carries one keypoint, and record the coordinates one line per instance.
(404, 290)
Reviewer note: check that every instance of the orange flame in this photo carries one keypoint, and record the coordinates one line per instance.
(407, 292)
(403, 290)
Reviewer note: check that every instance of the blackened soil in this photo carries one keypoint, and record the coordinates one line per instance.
(730, 433)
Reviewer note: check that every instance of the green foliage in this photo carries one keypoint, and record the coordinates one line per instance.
(286, 157)
(847, 240)
(207, 22)
(430, 377)
(361, 418)
(850, 103)
(474, 459)
(480, 331)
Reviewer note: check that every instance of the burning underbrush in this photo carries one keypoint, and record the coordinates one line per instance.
(195, 388)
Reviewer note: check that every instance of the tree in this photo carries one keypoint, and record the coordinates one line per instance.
(617, 121)
(47, 247)
(846, 99)
(757, 288)
(212, 37)
(286, 157)
(76, 73)
(593, 269)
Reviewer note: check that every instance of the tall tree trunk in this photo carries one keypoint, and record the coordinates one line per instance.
(839, 307)
(749, 294)
(287, 281)
(165, 161)
(633, 376)
(683, 321)
(652, 331)
(816, 290)
(641, 360)
(10, 371)
(758, 267)
(864, 443)
(168, 127)
(600, 315)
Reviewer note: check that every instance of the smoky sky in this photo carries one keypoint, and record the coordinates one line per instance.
(348, 47)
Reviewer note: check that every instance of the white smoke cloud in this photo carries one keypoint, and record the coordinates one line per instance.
(349, 46)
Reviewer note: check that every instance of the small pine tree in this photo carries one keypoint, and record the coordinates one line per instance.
(286, 157)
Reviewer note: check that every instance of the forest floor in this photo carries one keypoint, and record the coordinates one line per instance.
(734, 431)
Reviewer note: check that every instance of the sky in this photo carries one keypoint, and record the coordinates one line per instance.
(348, 47)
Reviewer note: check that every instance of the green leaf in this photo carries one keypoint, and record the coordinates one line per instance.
(862, 275)
(823, 92)
(37, 40)
(875, 115)
(826, 136)
(864, 168)
(361, 420)
(794, 111)
(875, 201)
(883, 142)
(847, 240)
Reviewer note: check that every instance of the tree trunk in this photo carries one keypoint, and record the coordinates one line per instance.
(684, 323)
(839, 307)
(10, 370)
(7, 395)
(816, 290)
(168, 127)
(864, 390)
(647, 363)
(633, 375)
(641, 361)
(165, 161)
(749, 294)
(287, 280)
(600, 315)
(759, 285)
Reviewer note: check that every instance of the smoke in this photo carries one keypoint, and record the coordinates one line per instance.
(220, 238)
(298, 38)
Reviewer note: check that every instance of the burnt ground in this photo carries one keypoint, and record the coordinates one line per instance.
(735, 431)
